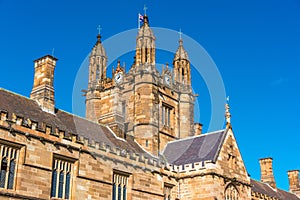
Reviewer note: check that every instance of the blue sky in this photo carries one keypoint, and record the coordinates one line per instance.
(254, 44)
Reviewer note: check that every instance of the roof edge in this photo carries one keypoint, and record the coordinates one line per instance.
(192, 137)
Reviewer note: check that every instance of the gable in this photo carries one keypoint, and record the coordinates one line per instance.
(229, 158)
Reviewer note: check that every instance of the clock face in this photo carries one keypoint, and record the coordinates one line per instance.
(167, 79)
(119, 77)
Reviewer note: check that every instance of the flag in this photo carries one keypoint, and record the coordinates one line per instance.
(140, 19)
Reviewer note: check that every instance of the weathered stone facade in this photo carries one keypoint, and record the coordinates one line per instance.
(138, 141)
(154, 108)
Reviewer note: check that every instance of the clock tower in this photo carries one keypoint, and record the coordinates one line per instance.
(118, 75)
(104, 95)
(153, 108)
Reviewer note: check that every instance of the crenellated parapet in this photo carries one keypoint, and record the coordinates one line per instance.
(42, 131)
(17, 124)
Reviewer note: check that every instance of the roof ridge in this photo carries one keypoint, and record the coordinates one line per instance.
(196, 136)
(277, 190)
(64, 111)
(63, 125)
(14, 93)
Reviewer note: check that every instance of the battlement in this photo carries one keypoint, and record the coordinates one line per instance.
(17, 124)
(98, 149)
(198, 166)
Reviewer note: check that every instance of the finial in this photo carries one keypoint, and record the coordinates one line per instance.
(99, 31)
(119, 68)
(52, 54)
(180, 37)
(145, 10)
(180, 34)
(227, 113)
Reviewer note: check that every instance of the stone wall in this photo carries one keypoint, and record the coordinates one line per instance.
(93, 166)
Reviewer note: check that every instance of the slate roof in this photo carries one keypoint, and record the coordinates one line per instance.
(185, 151)
(264, 188)
(28, 108)
(195, 149)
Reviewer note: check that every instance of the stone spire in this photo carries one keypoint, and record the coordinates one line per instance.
(145, 44)
(98, 63)
(227, 114)
(181, 53)
(182, 70)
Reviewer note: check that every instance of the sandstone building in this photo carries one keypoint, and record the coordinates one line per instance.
(138, 140)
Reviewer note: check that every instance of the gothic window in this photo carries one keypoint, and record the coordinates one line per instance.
(61, 179)
(167, 191)
(123, 109)
(120, 182)
(166, 115)
(97, 72)
(8, 162)
(231, 193)
(147, 143)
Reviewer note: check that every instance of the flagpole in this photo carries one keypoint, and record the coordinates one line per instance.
(139, 20)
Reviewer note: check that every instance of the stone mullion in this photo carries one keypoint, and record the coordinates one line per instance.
(169, 117)
(65, 165)
(125, 185)
(8, 166)
(121, 183)
(1, 153)
(16, 158)
(71, 175)
(117, 186)
(57, 166)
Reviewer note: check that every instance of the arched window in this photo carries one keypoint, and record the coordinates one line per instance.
(231, 193)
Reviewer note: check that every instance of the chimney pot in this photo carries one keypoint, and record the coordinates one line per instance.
(294, 183)
(43, 90)
(266, 167)
(198, 128)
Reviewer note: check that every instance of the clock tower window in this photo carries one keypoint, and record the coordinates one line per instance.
(166, 115)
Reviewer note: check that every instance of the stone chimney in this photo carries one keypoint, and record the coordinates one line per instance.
(266, 170)
(43, 90)
(294, 183)
(198, 128)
